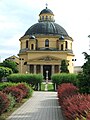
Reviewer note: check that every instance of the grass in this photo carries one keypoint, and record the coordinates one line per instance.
(50, 87)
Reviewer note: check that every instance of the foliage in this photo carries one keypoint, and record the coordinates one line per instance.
(25, 88)
(76, 106)
(65, 90)
(4, 72)
(10, 64)
(64, 78)
(4, 102)
(64, 67)
(6, 84)
(88, 116)
(32, 79)
(84, 78)
(12, 102)
(15, 92)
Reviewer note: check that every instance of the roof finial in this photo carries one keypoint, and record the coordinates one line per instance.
(46, 5)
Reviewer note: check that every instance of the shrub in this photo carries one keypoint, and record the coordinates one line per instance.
(64, 78)
(25, 88)
(76, 106)
(12, 102)
(6, 84)
(32, 79)
(16, 92)
(88, 116)
(4, 102)
(65, 90)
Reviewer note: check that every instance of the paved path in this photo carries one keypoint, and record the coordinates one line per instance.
(42, 106)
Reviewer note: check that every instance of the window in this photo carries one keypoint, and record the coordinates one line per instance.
(66, 44)
(47, 43)
(46, 17)
(42, 17)
(61, 46)
(32, 46)
(27, 44)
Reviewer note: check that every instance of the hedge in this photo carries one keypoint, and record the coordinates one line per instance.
(32, 79)
(64, 78)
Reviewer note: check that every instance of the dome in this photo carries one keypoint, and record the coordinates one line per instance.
(45, 11)
(46, 28)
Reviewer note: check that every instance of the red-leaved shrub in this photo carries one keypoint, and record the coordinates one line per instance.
(88, 116)
(24, 88)
(65, 90)
(4, 102)
(16, 92)
(76, 106)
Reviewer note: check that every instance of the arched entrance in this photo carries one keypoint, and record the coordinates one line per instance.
(47, 68)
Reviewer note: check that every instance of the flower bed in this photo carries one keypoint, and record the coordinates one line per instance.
(4, 102)
(11, 95)
(75, 106)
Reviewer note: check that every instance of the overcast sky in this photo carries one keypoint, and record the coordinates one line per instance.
(16, 16)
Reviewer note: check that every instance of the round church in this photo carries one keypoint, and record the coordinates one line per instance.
(44, 45)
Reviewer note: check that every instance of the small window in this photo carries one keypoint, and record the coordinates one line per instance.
(46, 17)
(27, 44)
(66, 44)
(61, 46)
(32, 46)
(47, 43)
(42, 17)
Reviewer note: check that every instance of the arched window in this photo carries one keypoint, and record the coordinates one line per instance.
(47, 43)
(66, 44)
(27, 44)
(61, 46)
(46, 17)
(32, 46)
(42, 17)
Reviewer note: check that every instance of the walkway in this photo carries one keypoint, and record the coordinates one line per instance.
(42, 106)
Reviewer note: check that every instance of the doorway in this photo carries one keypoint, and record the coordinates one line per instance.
(47, 68)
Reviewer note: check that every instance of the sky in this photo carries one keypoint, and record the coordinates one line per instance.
(16, 16)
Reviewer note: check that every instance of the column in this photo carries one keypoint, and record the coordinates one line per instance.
(42, 69)
(34, 69)
(52, 69)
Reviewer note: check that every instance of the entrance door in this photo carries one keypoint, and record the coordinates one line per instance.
(47, 68)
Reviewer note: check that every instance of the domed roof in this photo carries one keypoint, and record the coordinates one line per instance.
(45, 11)
(46, 28)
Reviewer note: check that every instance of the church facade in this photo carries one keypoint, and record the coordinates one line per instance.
(44, 45)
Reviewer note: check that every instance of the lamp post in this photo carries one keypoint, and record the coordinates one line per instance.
(47, 76)
(21, 59)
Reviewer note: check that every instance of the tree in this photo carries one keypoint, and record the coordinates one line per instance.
(64, 67)
(84, 77)
(4, 72)
(10, 64)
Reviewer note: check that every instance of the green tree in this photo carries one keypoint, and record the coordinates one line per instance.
(10, 64)
(84, 77)
(4, 72)
(64, 67)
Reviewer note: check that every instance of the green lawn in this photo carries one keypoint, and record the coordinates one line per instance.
(50, 87)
